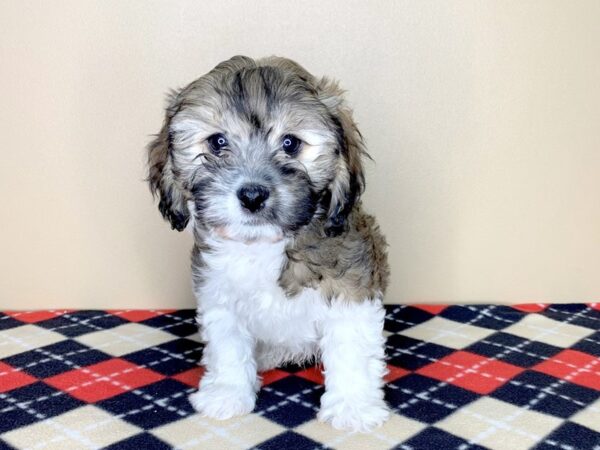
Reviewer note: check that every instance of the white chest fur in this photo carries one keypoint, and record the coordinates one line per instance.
(243, 278)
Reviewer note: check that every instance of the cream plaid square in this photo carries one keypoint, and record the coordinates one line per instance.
(85, 427)
(126, 338)
(536, 327)
(499, 425)
(447, 332)
(25, 338)
(396, 429)
(196, 432)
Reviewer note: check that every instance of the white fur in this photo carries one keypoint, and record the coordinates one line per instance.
(247, 323)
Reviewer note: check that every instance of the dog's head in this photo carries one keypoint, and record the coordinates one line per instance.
(261, 148)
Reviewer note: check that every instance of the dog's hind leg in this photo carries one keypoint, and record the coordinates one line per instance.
(268, 356)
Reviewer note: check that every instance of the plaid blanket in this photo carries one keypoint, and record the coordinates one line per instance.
(460, 377)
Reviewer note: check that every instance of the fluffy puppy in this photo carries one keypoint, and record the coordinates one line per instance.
(262, 161)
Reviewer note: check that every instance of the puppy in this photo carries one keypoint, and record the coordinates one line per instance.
(262, 161)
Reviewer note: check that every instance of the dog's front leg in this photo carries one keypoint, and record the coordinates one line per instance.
(352, 348)
(228, 387)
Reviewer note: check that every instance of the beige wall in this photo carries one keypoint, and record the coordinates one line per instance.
(483, 118)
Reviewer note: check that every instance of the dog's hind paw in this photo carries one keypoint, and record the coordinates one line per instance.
(223, 401)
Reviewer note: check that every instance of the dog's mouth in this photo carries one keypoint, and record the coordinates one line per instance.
(248, 234)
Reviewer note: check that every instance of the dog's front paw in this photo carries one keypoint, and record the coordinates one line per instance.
(221, 401)
(353, 415)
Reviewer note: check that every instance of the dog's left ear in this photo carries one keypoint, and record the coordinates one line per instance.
(349, 181)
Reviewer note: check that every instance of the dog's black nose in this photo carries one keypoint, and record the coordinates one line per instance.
(253, 196)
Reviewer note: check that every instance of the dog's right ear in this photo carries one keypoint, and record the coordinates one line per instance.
(161, 176)
(349, 182)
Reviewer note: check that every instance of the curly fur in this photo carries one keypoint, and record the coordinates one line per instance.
(301, 278)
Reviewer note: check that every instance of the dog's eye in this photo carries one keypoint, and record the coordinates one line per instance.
(217, 142)
(290, 144)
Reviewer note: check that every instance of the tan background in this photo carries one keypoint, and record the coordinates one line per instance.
(483, 118)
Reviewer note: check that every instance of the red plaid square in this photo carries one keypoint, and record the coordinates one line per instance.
(470, 371)
(35, 316)
(530, 307)
(137, 315)
(103, 380)
(271, 376)
(574, 366)
(11, 378)
(190, 377)
(314, 374)
(433, 309)
(394, 373)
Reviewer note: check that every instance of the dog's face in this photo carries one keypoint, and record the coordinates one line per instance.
(261, 148)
